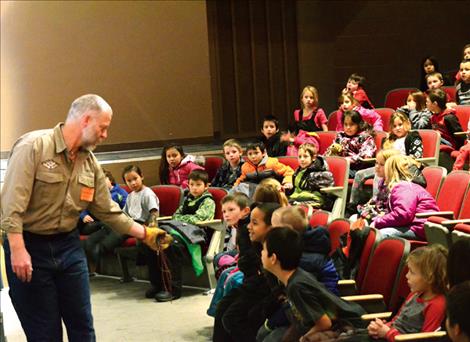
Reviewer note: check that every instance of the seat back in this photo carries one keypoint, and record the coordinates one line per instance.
(379, 136)
(218, 194)
(461, 232)
(337, 228)
(319, 218)
(339, 167)
(385, 114)
(463, 114)
(450, 91)
(126, 188)
(397, 97)
(434, 176)
(371, 241)
(293, 162)
(453, 190)
(391, 252)
(431, 141)
(325, 140)
(170, 198)
(212, 164)
(465, 210)
(332, 121)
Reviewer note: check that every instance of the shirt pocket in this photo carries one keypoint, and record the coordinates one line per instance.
(49, 187)
(86, 187)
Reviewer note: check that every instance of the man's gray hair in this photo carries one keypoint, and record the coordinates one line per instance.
(85, 103)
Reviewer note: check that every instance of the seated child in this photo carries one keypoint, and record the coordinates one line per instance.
(260, 166)
(463, 87)
(101, 238)
(198, 205)
(236, 211)
(435, 80)
(311, 175)
(424, 308)
(348, 103)
(271, 137)
(316, 245)
(175, 165)
(314, 308)
(458, 315)
(231, 169)
(269, 190)
(355, 87)
(378, 204)
(240, 313)
(406, 200)
(354, 143)
(400, 138)
(442, 119)
(310, 117)
(415, 109)
(464, 153)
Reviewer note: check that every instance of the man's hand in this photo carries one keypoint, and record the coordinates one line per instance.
(157, 239)
(20, 258)
(88, 219)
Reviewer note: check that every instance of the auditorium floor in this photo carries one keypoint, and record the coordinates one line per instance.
(121, 313)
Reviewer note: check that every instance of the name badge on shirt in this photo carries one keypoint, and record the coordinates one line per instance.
(87, 194)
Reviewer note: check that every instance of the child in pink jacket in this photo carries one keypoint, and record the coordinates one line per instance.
(175, 166)
(348, 102)
(406, 200)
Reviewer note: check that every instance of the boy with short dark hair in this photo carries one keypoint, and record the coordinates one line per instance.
(442, 119)
(314, 308)
(463, 88)
(198, 204)
(260, 166)
(458, 312)
(271, 137)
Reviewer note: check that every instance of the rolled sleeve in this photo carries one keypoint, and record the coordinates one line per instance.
(17, 187)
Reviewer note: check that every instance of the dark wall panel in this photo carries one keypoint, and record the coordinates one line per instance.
(255, 66)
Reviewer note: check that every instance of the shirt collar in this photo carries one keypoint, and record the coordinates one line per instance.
(60, 145)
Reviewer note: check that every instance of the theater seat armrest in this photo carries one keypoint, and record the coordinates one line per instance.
(449, 214)
(454, 222)
(460, 134)
(164, 218)
(381, 315)
(426, 160)
(213, 224)
(346, 282)
(368, 160)
(332, 190)
(424, 336)
(362, 298)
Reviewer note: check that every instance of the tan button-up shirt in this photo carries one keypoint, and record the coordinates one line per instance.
(44, 191)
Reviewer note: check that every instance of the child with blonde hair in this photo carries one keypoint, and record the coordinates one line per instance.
(310, 117)
(270, 191)
(424, 308)
(231, 169)
(311, 175)
(406, 200)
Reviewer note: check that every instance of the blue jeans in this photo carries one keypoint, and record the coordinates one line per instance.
(59, 289)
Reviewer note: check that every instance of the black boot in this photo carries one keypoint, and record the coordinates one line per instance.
(166, 296)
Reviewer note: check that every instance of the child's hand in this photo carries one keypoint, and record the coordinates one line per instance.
(382, 329)
(345, 91)
(88, 219)
(411, 105)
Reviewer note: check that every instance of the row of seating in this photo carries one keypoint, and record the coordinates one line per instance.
(397, 97)
(462, 112)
